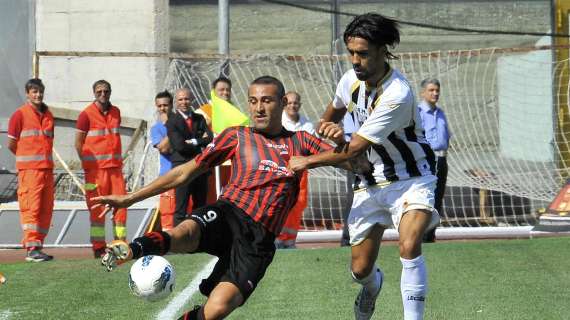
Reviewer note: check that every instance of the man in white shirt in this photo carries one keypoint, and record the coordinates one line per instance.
(398, 188)
(292, 120)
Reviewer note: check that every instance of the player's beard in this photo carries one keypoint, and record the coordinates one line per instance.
(361, 74)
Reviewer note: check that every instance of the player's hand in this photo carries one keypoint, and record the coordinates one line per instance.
(116, 253)
(297, 164)
(111, 202)
(332, 131)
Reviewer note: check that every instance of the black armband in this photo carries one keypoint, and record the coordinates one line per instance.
(152, 243)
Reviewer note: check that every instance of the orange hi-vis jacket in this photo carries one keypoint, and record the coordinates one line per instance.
(102, 146)
(35, 144)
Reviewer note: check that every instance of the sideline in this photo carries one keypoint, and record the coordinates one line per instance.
(182, 298)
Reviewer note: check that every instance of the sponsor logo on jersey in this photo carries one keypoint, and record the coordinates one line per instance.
(270, 166)
(283, 148)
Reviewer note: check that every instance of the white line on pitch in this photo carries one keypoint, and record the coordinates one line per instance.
(5, 314)
(180, 300)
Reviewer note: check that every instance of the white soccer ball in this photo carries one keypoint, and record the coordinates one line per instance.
(152, 278)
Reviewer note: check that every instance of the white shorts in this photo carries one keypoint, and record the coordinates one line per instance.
(385, 205)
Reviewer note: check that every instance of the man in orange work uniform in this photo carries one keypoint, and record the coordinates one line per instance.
(30, 133)
(98, 144)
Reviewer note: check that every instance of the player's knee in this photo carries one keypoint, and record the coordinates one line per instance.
(410, 248)
(219, 308)
(361, 268)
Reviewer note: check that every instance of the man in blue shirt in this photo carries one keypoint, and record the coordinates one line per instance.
(159, 140)
(437, 135)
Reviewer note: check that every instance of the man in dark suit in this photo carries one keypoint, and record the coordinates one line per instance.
(188, 134)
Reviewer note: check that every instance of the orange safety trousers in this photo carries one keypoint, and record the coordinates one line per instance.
(108, 181)
(35, 197)
(288, 234)
(166, 207)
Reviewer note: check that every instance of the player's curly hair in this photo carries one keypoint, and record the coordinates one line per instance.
(376, 29)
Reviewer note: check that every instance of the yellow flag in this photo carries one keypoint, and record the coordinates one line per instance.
(225, 115)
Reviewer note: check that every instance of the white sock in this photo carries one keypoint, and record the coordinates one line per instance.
(414, 287)
(373, 281)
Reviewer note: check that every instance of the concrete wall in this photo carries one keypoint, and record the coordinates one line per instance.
(103, 26)
(16, 30)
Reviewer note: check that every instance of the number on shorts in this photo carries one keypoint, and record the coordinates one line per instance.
(210, 216)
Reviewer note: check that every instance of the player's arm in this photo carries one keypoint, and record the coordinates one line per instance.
(175, 177)
(334, 133)
(154, 243)
(333, 114)
(337, 108)
(391, 113)
(343, 157)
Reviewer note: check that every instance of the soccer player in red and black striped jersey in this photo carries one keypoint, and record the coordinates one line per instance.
(240, 228)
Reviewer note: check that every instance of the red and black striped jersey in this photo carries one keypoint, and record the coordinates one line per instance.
(260, 183)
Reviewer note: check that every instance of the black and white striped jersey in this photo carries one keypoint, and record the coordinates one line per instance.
(387, 117)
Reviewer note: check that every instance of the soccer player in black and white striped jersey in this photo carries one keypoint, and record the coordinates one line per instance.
(399, 187)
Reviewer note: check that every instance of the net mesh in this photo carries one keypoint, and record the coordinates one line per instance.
(508, 153)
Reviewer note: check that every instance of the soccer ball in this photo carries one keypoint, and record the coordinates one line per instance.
(151, 278)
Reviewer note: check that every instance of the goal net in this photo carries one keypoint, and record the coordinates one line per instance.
(506, 157)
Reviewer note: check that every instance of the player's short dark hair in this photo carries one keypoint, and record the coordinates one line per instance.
(101, 82)
(274, 81)
(221, 79)
(164, 94)
(34, 83)
(427, 81)
(376, 29)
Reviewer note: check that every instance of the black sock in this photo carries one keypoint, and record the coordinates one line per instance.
(196, 314)
(152, 243)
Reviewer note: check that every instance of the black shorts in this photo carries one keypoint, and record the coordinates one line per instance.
(244, 247)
